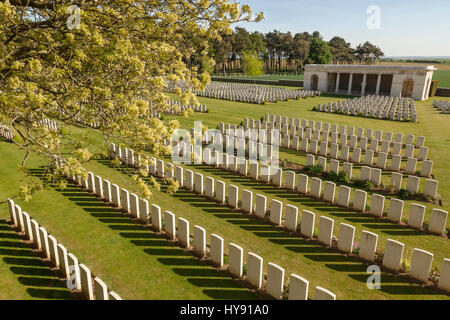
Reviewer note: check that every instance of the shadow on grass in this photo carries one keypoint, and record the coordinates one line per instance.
(30, 271)
(154, 244)
(324, 257)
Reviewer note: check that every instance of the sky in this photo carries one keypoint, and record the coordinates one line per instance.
(406, 27)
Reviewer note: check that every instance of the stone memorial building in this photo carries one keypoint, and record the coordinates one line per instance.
(361, 80)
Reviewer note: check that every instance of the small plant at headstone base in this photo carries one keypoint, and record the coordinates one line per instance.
(241, 123)
(367, 208)
(315, 234)
(244, 269)
(314, 109)
(418, 172)
(355, 248)
(239, 204)
(261, 119)
(226, 259)
(403, 194)
(286, 289)
(162, 118)
(404, 220)
(423, 197)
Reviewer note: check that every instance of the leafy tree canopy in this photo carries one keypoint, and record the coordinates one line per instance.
(111, 68)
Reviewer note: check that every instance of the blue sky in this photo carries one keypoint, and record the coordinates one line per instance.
(408, 27)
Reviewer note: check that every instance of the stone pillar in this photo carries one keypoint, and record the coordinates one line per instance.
(337, 83)
(363, 85)
(350, 83)
(378, 84)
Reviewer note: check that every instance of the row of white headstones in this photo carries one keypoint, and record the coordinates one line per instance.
(77, 274)
(421, 260)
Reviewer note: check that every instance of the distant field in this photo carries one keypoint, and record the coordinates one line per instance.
(442, 74)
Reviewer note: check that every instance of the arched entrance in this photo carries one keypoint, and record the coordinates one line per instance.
(314, 82)
(408, 87)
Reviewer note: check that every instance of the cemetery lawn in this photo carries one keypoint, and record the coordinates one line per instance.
(442, 74)
(137, 265)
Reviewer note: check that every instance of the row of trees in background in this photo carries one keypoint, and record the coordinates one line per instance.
(284, 52)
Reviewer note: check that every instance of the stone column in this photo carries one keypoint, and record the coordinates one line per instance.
(363, 85)
(378, 84)
(337, 83)
(350, 83)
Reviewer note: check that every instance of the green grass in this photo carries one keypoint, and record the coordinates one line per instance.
(135, 266)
